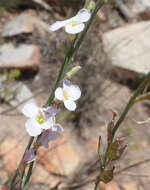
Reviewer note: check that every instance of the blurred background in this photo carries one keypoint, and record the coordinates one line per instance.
(115, 57)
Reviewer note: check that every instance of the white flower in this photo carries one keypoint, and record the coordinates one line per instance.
(68, 94)
(73, 25)
(38, 120)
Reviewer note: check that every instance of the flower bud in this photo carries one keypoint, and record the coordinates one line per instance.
(29, 156)
(107, 175)
(73, 71)
(90, 5)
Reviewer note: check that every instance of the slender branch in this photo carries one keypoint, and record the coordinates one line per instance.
(13, 179)
(30, 167)
(132, 166)
(135, 175)
(97, 184)
(29, 173)
(145, 96)
(22, 175)
(17, 171)
(139, 91)
(130, 103)
(30, 143)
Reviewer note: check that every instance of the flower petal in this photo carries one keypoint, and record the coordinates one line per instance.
(57, 25)
(74, 29)
(66, 84)
(59, 94)
(30, 110)
(83, 15)
(44, 138)
(50, 135)
(50, 111)
(48, 124)
(72, 89)
(53, 135)
(70, 105)
(57, 127)
(29, 155)
(33, 128)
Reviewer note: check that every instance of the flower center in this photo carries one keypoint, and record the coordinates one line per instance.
(40, 119)
(66, 95)
(73, 23)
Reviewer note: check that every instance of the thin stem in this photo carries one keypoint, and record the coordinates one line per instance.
(24, 167)
(14, 179)
(135, 175)
(22, 175)
(145, 96)
(139, 91)
(132, 166)
(17, 171)
(96, 185)
(29, 173)
(30, 143)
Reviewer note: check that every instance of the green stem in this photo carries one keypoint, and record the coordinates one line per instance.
(17, 171)
(22, 175)
(14, 179)
(29, 173)
(145, 96)
(131, 166)
(96, 185)
(131, 102)
(139, 91)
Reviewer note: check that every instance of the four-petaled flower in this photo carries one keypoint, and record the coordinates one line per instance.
(73, 25)
(68, 94)
(39, 118)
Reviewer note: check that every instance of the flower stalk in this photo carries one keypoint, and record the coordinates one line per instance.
(25, 175)
(73, 50)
